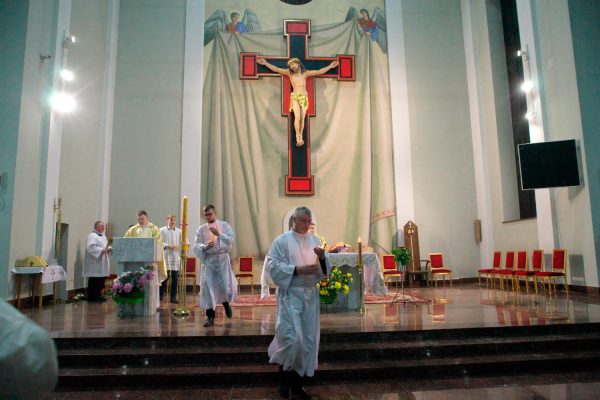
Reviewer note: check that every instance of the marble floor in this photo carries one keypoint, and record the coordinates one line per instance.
(463, 306)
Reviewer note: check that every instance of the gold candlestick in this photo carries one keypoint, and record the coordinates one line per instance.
(182, 311)
(361, 295)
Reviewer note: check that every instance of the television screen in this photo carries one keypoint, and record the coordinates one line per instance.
(548, 164)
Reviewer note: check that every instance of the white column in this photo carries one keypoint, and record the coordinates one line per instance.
(403, 175)
(191, 125)
(108, 104)
(545, 203)
(50, 166)
(480, 158)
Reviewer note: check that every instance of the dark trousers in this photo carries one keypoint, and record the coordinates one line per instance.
(173, 278)
(95, 286)
(210, 312)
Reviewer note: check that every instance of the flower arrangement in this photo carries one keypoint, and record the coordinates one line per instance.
(336, 282)
(128, 287)
(401, 255)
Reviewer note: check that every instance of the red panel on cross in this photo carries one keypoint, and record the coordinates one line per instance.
(297, 28)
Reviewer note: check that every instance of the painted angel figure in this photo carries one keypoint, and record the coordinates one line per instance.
(373, 27)
(218, 21)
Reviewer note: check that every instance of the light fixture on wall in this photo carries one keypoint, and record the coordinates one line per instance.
(67, 75)
(529, 115)
(69, 41)
(62, 102)
(527, 86)
(522, 54)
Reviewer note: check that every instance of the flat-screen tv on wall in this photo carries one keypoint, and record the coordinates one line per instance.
(549, 164)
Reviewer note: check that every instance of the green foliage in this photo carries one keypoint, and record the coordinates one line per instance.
(401, 255)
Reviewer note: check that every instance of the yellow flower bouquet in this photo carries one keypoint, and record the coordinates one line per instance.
(335, 282)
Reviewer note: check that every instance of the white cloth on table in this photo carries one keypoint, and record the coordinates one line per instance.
(297, 328)
(265, 281)
(172, 256)
(217, 280)
(372, 275)
(95, 264)
(28, 362)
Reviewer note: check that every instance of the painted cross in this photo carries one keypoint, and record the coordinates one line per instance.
(299, 180)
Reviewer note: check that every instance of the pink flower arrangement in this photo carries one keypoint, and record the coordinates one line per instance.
(130, 284)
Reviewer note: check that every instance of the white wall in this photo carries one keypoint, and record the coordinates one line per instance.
(146, 146)
(79, 176)
(441, 145)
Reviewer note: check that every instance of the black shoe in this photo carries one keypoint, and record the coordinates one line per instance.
(209, 322)
(297, 387)
(174, 301)
(227, 309)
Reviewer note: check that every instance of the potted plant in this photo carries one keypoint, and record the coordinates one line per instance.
(401, 255)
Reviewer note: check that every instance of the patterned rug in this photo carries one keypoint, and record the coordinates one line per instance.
(248, 300)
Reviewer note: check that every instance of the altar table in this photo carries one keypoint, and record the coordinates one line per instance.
(372, 276)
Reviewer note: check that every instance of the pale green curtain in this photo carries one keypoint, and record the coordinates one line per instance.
(244, 143)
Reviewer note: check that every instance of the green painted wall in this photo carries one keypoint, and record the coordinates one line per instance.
(13, 31)
(585, 30)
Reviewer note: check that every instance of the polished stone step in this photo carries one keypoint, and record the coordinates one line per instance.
(167, 362)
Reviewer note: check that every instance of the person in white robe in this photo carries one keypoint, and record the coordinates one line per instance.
(296, 262)
(145, 229)
(28, 361)
(217, 281)
(96, 264)
(171, 239)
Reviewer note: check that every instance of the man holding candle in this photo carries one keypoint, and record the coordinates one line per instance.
(217, 281)
(171, 239)
(296, 262)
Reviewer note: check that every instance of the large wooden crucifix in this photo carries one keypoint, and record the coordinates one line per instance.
(299, 180)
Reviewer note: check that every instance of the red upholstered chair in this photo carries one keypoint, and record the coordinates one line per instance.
(190, 273)
(508, 270)
(537, 264)
(489, 273)
(522, 270)
(559, 270)
(246, 268)
(390, 269)
(438, 268)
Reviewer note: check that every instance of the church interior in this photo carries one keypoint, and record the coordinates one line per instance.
(446, 149)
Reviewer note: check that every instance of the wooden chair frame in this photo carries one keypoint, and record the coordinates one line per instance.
(245, 274)
(388, 272)
(443, 270)
(558, 271)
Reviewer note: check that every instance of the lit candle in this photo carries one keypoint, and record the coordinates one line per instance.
(359, 252)
(184, 221)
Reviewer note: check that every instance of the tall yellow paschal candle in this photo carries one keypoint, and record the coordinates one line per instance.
(184, 220)
(359, 252)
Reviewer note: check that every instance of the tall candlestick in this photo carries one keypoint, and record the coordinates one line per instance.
(361, 294)
(184, 220)
(359, 252)
(182, 311)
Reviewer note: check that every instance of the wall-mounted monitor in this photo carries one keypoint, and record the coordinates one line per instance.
(549, 164)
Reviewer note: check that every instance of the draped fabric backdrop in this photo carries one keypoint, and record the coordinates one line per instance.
(244, 142)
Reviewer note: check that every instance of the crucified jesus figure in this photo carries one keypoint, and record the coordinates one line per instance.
(299, 97)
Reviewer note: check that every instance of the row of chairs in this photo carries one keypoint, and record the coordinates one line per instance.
(434, 266)
(516, 267)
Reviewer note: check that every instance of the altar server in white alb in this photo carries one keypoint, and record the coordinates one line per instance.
(217, 281)
(96, 265)
(296, 262)
(171, 239)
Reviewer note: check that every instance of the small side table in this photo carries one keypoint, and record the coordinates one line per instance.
(49, 274)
